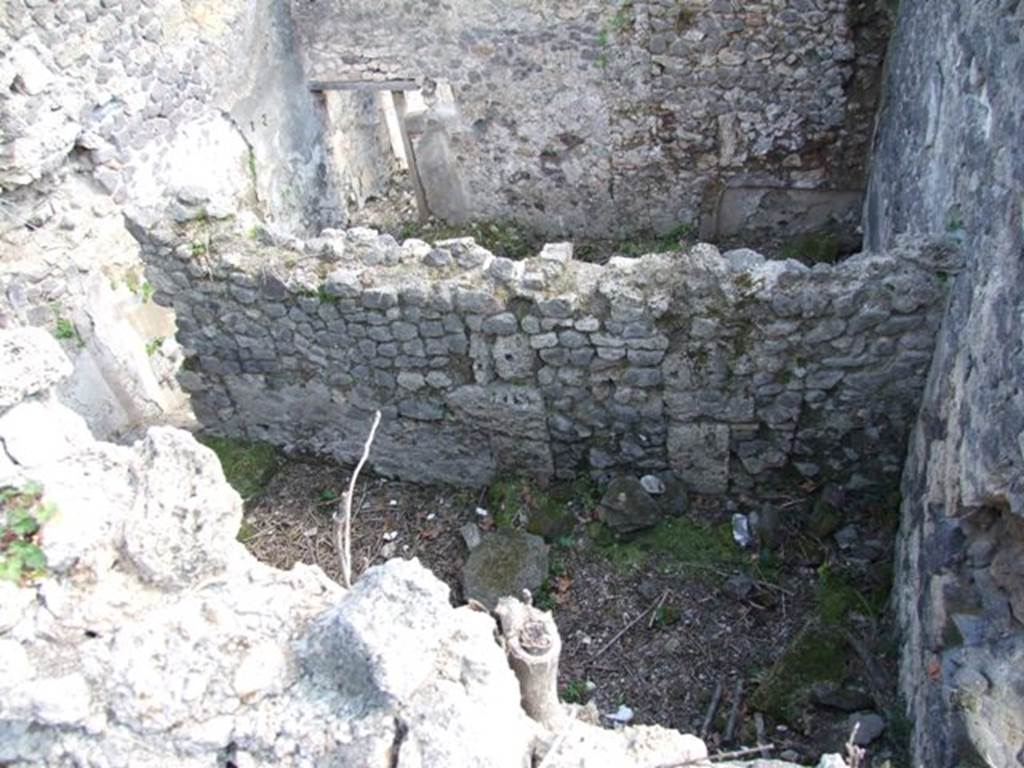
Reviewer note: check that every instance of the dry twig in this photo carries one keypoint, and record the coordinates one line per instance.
(343, 526)
(709, 717)
(745, 752)
(653, 606)
(730, 726)
(854, 753)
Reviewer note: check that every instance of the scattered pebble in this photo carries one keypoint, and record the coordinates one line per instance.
(739, 587)
(846, 536)
(431, 516)
(591, 686)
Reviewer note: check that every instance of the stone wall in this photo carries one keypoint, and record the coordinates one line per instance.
(736, 373)
(948, 168)
(601, 118)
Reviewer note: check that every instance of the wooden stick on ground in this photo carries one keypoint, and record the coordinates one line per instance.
(709, 717)
(730, 726)
(759, 730)
(652, 607)
(746, 751)
(343, 525)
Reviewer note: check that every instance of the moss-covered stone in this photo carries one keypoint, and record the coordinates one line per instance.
(248, 466)
(818, 654)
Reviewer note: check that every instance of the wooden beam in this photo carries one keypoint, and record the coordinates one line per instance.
(363, 85)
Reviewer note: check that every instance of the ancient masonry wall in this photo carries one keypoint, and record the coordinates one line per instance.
(736, 373)
(604, 118)
(948, 167)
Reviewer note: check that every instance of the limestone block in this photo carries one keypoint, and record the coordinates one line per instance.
(32, 362)
(699, 455)
(186, 514)
(513, 357)
(381, 641)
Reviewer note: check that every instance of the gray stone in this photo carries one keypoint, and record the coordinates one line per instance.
(513, 357)
(355, 645)
(504, 564)
(626, 507)
(699, 455)
(840, 698)
(504, 324)
(869, 727)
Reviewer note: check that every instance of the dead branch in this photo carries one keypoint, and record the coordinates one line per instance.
(654, 613)
(730, 726)
(745, 752)
(854, 753)
(760, 731)
(709, 717)
(343, 521)
(652, 607)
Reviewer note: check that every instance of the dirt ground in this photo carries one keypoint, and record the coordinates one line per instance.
(646, 632)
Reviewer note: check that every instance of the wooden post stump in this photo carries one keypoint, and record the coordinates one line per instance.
(533, 646)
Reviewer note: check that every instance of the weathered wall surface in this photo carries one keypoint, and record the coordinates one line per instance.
(948, 166)
(162, 100)
(734, 372)
(606, 118)
(168, 106)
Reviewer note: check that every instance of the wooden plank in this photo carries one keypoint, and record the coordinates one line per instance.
(363, 85)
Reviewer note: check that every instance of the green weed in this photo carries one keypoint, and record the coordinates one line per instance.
(153, 345)
(23, 515)
(575, 692)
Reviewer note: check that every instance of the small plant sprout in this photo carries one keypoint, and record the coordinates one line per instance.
(64, 328)
(22, 516)
(153, 345)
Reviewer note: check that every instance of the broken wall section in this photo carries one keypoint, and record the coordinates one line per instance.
(740, 375)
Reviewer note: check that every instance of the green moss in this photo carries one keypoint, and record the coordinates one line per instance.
(551, 513)
(666, 616)
(837, 595)
(248, 466)
(326, 298)
(502, 238)
(823, 246)
(818, 654)
(245, 532)
(687, 546)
